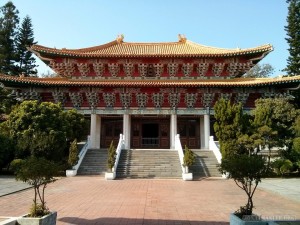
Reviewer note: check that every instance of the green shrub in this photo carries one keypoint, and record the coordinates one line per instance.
(111, 156)
(282, 166)
(189, 157)
(73, 154)
(37, 172)
(247, 171)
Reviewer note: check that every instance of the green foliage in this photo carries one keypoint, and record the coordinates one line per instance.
(296, 127)
(111, 155)
(260, 71)
(247, 171)
(6, 102)
(282, 166)
(37, 210)
(37, 172)
(9, 21)
(293, 38)
(189, 157)
(25, 39)
(76, 125)
(43, 129)
(228, 125)
(73, 154)
(279, 115)
(6, 150)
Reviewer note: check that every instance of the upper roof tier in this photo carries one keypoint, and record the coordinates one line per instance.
(120, 49)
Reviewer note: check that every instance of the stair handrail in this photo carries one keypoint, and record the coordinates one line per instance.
(215, 149)
(118, 151)
(178, 147)
(82, 153)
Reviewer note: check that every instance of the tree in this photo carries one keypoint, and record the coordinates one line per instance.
(9, 21)
(41, 129)
(6, 102)
(260, 71)
(189, 157)
(228, 125)
(293, 39)
(77, 125)
(38, 172)
(25, 39)
(6, 150)
(73, 154)
(111, 156)
(277, 114)
(247, 171)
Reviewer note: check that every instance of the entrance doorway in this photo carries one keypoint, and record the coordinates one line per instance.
(150, 135)
(150, 132)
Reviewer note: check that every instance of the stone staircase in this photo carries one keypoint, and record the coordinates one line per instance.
(206, 165)
(94, 162)
(149, 164)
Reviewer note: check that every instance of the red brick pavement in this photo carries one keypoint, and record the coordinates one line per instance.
(93, 200)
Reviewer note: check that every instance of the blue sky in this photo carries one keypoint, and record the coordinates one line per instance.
(218, 23)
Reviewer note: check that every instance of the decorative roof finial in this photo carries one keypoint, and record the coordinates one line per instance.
(182, 38)
(120, 38)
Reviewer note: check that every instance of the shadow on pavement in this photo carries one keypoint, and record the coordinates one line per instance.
(131, 221)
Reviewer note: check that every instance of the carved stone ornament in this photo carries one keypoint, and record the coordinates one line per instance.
(114, 69)
(172, 69)
(158, 69)
(158, 99)
(218, 68)
(93, 99)
(76, 98)
(125, 99)
(64, 69)
(274, 95)
(202, 69)
(236, 69)
(207, 99)
(187, 69)
(226, 96)
(109, 99)
(98, 68)
(241, 98)
(190, 99)
(26, 95)
(174, 99)
(128, 69)
(143, 69)
(59, 97)
(142, 99)
(83, 68)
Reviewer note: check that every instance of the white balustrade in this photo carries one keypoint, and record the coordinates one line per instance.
(112, 175)
(178, 147)
(81, 155)
(215, 149)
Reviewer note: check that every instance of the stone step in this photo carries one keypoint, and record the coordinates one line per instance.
(94, 163)
(205, 165)
(149, 164)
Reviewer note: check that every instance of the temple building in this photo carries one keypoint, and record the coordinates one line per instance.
(149, 91)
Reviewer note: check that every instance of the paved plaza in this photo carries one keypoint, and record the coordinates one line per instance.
(92, 200)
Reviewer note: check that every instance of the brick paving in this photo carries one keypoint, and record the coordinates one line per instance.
(92, 200)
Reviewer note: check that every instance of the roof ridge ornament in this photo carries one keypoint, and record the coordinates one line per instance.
(120, 38)
(182, 38)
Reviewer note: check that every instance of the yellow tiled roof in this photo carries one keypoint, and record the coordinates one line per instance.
(182, 48)
(57, 81)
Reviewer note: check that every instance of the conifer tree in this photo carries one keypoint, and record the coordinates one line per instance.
(9, 21)
(293, 39)
(25, 39)
(228, 125)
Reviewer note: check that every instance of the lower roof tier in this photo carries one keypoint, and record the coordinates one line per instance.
(12, 81)
(106, 95)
